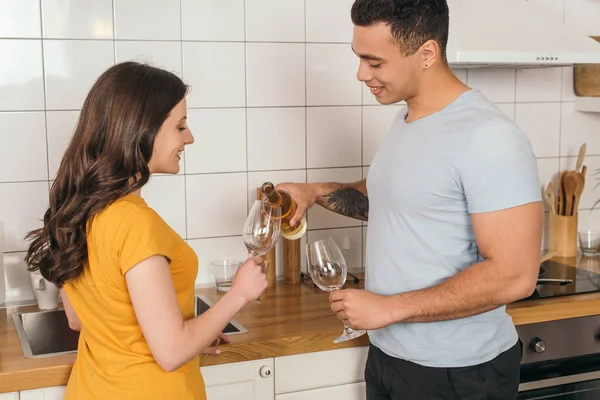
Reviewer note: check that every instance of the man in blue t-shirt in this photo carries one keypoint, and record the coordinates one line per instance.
(455, 218)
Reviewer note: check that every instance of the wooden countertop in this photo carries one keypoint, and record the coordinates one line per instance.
(292, 319)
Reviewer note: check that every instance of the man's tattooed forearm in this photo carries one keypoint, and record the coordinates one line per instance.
(349, 202)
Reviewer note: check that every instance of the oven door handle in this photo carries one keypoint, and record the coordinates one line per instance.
(563, 380)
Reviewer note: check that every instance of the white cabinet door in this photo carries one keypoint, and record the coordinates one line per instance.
(49, 393)
(9, 396)
(353, 391)
(251, 380)
(320, 369)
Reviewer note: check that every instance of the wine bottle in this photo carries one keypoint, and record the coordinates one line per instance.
(281, 198)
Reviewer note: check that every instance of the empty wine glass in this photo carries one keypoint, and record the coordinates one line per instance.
(261, 230)
(328, 269)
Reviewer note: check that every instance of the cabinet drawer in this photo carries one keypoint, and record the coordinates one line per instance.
(352, 391)
(320, 369)
(250, 380)
(49, 393)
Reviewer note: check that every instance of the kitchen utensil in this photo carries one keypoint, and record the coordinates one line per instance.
(561, 194)
(569, 182)
(549, 197)
(580, 183)
(561, 282)
(580, 157)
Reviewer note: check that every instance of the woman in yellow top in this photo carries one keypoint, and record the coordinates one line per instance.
(126, 278)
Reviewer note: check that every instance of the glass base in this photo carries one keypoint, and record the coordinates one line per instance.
(590, 253)
(349, 334)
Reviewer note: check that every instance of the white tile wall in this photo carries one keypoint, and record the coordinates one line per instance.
(274, 93)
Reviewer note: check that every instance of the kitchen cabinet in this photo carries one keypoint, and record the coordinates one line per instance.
(353, 391)
(322, 375)
(249, 380)
(49, 393)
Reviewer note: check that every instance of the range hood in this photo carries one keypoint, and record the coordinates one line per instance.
(514, 34)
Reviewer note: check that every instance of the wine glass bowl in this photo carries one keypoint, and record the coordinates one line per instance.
(326, 275)
(328, 269)
(262, 228)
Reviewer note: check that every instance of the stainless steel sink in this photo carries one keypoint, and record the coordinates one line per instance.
(232, 328)
(47, 333)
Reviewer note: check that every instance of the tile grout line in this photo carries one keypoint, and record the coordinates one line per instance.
(515, 97)
(345, 167)
(335, 228)
(185, 199)
(305, 104)
(246, 111)
(45, 97)
(362, 170)
(114, 32)
(282, 107)
(560, 131)
(173, 40)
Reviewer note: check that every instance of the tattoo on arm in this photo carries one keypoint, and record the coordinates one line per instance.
(349, 202)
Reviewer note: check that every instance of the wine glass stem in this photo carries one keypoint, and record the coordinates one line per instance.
(253, 254)
(343, 321)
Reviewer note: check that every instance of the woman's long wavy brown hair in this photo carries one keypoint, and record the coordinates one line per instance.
(106, 159)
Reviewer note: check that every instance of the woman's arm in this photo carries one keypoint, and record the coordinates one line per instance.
(72, 317)
(172, 340)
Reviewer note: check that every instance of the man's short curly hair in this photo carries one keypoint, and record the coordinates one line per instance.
(412, 22)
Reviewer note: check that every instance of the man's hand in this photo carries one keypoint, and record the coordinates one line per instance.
(303, 194)
(214, 347)
(362, 309)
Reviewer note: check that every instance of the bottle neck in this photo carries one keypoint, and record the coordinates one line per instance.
(273, 197)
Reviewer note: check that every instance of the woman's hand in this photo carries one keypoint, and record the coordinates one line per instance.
(250, 280)
(214, 347)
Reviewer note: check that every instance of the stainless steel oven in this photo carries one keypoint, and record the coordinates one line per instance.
(561, 359)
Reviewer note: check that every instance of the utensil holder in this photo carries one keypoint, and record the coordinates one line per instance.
(563, 235)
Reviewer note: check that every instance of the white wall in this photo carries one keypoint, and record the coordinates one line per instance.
(274, 94)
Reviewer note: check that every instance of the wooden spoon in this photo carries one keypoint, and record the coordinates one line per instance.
(580, 157)
(580, 180)
(569, 182)
(561, 194)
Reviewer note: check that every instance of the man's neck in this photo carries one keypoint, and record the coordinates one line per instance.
(441, 90)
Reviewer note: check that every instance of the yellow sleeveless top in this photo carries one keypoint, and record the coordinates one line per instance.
(114, 361)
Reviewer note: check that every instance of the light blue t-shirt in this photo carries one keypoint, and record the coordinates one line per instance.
(425, 180)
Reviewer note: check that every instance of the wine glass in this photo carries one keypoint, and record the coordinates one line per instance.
(328, 269)
(261, 230)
